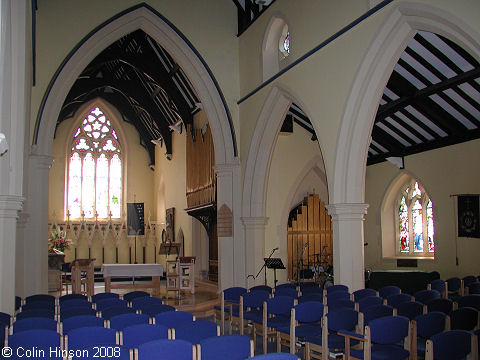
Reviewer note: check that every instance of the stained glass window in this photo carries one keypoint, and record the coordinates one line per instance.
(95, 169)
(284, 43)
(415, 221)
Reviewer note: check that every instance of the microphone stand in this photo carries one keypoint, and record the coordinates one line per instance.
(264, 267)
(300, 260)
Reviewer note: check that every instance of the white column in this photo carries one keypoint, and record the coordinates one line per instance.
(9, 207)
(20, 248)
(231, 263)
(255, 248)
(35, 255)
(348, 258)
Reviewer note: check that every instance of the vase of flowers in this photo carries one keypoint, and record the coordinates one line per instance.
(58, 239)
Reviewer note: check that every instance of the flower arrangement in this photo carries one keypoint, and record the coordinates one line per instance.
(58, 239)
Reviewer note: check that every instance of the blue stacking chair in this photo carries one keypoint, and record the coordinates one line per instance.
(172, 319)
(71, 303)
(424, 296)
(112, 311)
(231, 347)
(376, 312)
(474, 288)
(48, 305)
(305, 319)
(411, 309)
(311, 290)
(153, 309)
(451, 345)
(388, 291)
(46, 313)
(34, 324)
(18, 302)
(166, 350)
(262, 288)
(276, 314)
(467, 280)
(40, 297)
(465, 318)
(138, 302)
(329, 340)
(79, 321)
(381, 339)
(454, 286)
(251, 305)
(135, 294)
(396, 300)
(469, 301)
(368, 301)
(104, 295)
(444, 305)
(276, 356)
(119, 322)
(341, 304)
(318, 297)
(91, 335)
(136, 335)
(286, 285)
(439, 285)
(230, 299)
(335, 288)
(363, 293)
(106, 303)
(45, 342)
(196, 331)
(286, 291)
(336, 295)
(425, 326)
(68, 297)
(5, 319)
(102, 351)
(76, 311)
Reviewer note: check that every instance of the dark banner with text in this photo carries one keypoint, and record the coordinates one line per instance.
(468, 216)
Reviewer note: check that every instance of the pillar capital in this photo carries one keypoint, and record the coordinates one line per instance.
(347, 211)
(10, 205)
(227, 168)
(40, 161)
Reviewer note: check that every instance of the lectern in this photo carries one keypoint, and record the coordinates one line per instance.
(83, 267)
(274, 263)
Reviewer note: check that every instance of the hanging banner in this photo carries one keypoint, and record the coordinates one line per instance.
(468, 216)
(135, 219)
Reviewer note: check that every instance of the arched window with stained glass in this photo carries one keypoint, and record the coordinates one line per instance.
(94, 187)
(415, 224)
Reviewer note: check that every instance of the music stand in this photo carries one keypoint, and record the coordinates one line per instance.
(274, 263)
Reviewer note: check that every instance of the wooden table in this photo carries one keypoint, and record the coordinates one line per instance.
(133, 270)
(79, 267)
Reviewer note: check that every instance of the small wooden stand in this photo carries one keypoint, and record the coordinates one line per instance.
(181, 275)
(79, 267)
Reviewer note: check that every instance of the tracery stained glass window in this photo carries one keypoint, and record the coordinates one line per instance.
(95, 169)
(415, 221)
(284, 42)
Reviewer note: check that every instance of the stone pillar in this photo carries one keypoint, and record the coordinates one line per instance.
(20, 251)
(255, 248)
(231, 263)
(9, 208)
(35, 255)
(348, 257)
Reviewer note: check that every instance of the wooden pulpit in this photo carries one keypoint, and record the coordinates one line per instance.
(82, 273)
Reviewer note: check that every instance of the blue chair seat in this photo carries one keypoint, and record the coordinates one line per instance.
(334, 341)
(304, 330)
(384, 352)
(254, 315)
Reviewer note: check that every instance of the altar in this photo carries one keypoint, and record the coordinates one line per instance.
(133, 270)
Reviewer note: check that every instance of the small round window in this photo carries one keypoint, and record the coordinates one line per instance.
(284, 43)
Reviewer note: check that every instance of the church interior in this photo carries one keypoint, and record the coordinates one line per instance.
(188, 149)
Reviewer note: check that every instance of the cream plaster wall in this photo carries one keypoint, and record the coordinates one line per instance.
(296, 171)
(138, 186)
(443, 172)
(170, 189)
(216, 42)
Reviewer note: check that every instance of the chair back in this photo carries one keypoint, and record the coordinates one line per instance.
(135, 294)
(136, 335)
(154, 309)
(5, 319)
(40, 297)
(68, 297)
(79, 321)
(34, 324)
(311, 297)
(232, 347)
(138, 303)
(71, 303)
(106, 303)
(112, 311)
(430, 324)
(196, 331)
(467, 280)
(261, 287)
(38, 305)
(286, 291)
(166, 350)
(309, 312)
(389, 330)
(76, 311)
(368, 301)
(255, 299)
(90, 335)
(388, 291)
(363, 293)
(46, 313)
(311, 290)
(396, 300)
(104, 295)
(451, 345)
(469, 301)
(172, 319)
(465, 318)
(376, 312)
(341, 304)
(336, 296)
(286, 285)
(439, 285)
(280, 305)
(342, 319)
(424, 296)
(119, 322)
(454, 284)
(233, 294)
(443, 305)
(40, 340)
(334, 288)
(410, 309)
(474, 288)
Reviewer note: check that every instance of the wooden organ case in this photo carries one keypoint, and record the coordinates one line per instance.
(309, 239)
(201, 189)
